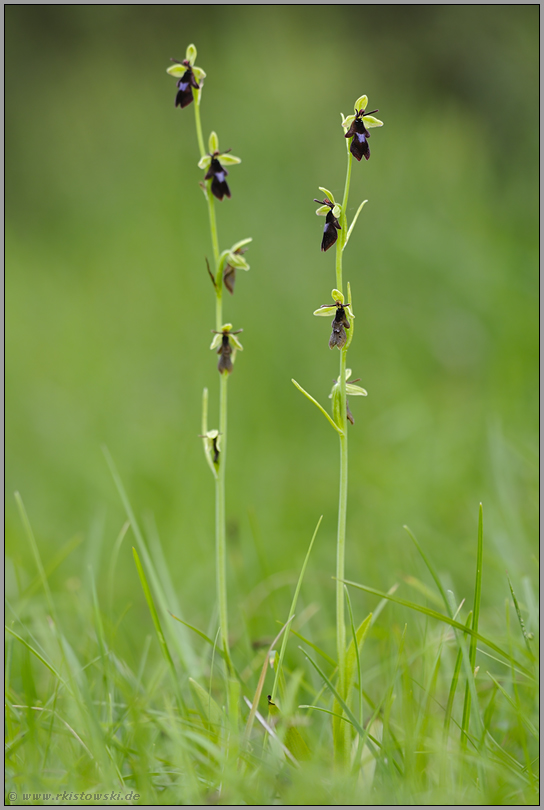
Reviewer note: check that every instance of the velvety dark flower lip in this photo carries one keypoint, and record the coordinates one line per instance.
(340, 321)
(356, 126)
(226, 351)
(216, 171)
(184, 95)
(332, 226)
(189, 76)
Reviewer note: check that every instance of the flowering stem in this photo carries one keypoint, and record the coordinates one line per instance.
(215, 241)
(198, 124)
(220, 534)
(220, 531)
(343, 224)
(340, 726)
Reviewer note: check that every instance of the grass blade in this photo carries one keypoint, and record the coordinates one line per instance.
(475, 618)
(292, 611)
(184, 648)
(429, 567)
(440, 617)
(260, 684)
(158, 630)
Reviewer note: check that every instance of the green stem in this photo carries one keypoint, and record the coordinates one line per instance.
(215, 240)
(199, 137)
(220, 533)
(341, 744)
(341, 531)
(343, 224)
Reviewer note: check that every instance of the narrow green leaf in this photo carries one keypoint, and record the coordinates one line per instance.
(354, 220)
(316, 403)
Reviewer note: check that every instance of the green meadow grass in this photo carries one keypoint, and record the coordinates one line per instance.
(108, 326)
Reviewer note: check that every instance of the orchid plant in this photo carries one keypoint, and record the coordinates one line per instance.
(225, 341)
(336, 232)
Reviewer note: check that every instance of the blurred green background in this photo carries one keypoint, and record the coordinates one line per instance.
(109, 307)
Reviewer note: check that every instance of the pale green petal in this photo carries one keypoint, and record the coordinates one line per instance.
(229, 160)
(176, 70)
(371, 121)
(325, 311)
(204, 162)
(190, 54)
(337, 296)
(216, 341)
(213, 143)
(322, 210)
(241, 244)
(327, 193)
(361, 103)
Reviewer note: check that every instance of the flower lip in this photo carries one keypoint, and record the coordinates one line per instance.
(332, 224)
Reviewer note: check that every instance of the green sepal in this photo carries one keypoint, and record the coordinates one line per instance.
(337, 210)
(190, 54)
(213, 143)
(355, 390)
(176, 70)
(229, 160)
(236, 342)
(204, 163)
(347, 122)
(371, 121)
(327, 193)
(216, 340)
(361, 103)
(325, 311)
(323, 210)
(337, 296)
(242, 243)
(200, 75)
